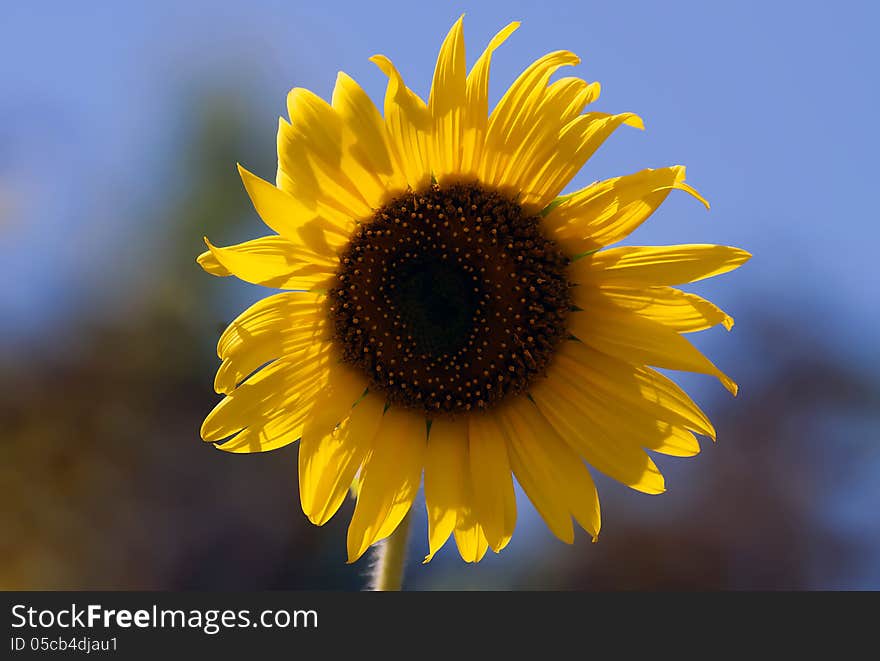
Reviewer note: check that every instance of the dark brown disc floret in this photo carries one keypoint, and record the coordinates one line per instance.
(450, 299)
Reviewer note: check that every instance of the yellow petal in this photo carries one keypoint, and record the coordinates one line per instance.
(675, 441)
(675, 309)
(576, 92)
(494, 498)
(312, 146)
(607, 211)
(638, 266)
(276, 427)
(365, 135)
(639, 388)
(535, 471)
(510, 118)
(272, 390)
(470, 538)
(602, 447)
(541, 131)
(343, 388)
(270, 261)
(328, 468)
(285, 214)
(409, 124)
(389, 481)
(469, 535)
(276, 431)
(610, 411)
(278, 313)
(355, 186)
(578, 141)
(447, 103)
(330, 189)
(273, 327)
(446, 464)
(568, 482)
(295, 174)
(639, 340)
(252, 355)
(477, 105)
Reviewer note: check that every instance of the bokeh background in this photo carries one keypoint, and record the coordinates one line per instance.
(121, 126)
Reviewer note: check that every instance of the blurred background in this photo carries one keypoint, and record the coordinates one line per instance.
(121, 127)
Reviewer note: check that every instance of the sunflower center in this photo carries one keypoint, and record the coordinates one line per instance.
(450, 299)
(436, 301)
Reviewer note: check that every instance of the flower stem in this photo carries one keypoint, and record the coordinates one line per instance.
(390, 559)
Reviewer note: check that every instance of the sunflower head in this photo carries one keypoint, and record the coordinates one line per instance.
(448, 314)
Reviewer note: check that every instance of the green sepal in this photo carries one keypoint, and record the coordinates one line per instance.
(586, 254)
(555, 203)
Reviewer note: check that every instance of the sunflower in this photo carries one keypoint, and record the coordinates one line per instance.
(448, 313)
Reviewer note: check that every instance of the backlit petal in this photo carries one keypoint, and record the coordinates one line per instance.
(569, 482)
(328, 467)
(365, 136)
(494, 499)
(510, 118)
(446, 466)
(629, 425)
(333, 404)
(389, 481)
(542, 131)
(638, 266)
(409, 124)
(675, 309)
(626, 335)
(535, 472)
(477, 105)
(270, 261)
(288, 216)
(447, 103)
(253, 399)
(593, 440)
(607, 211)
(641, 389)
(578, 141)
